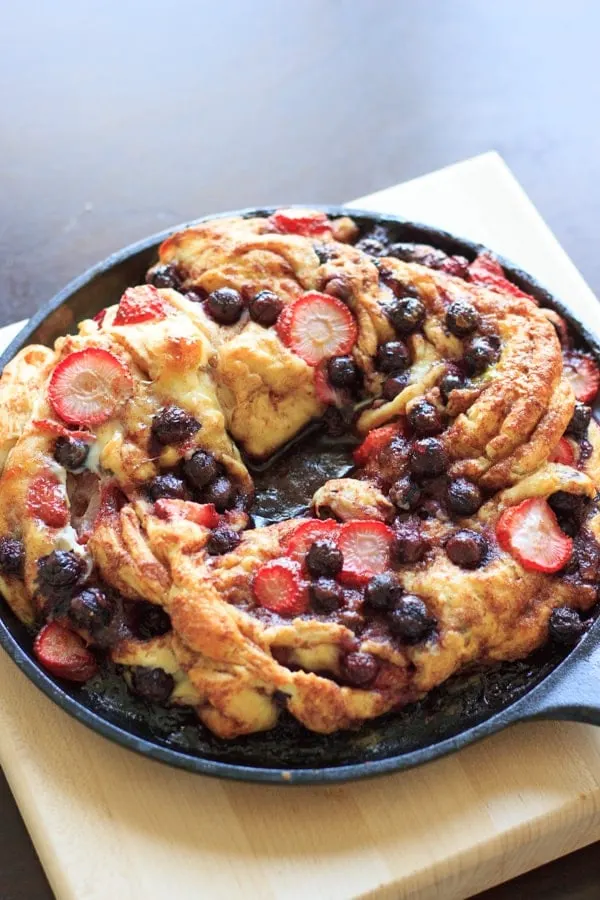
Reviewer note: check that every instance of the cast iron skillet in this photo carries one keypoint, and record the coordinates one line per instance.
(549, 684)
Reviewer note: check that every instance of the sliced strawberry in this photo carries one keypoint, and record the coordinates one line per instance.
(88, 385)
(487, 271)
(47, 500)
(365, 546)
(307, 533)
(140, 304)
(112, 501)
(563, 453)
(327, 394)
(64, 654)
(583, 373)
(201, 513)
(319, 327)
(59, 430)
(375, 441)
(278, 586)
(307, 222)
(283, 324)
(99, 318)
(531, 534)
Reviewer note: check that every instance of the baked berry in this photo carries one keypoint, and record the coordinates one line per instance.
(408, 546)
(165, 276)
(200, 469)
(463, 497)
(480, 353)
(405, 494)
(222, 540)
(422, 254)
(91, 610)
(392, 357)
(359, 669)
(339, 287)
(343, 372)
(394, 385)
(410, 620)
(565, 626)
(220, 492)
(428, 458)
(351, 619)
(424, 419)
(462, 318)
(224, 306)
(456, 265)
(12, 556)
(466, 549)
(172, 425)
(324, 559)
(580, 421)
(60, 569)
(325, 595)
(406, 314)
(153, 685)
(265, 307)
(383, 591)
(168, 487)
(451, 382)
(151, 620)
(371, 246)
(565, 504)
(324, 252)
(196, 294)
(70, 453)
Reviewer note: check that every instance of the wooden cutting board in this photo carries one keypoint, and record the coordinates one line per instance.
(109, 824)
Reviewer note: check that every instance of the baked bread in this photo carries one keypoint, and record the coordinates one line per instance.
(465, 532)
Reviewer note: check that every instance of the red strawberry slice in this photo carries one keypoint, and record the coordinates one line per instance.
(375, 441)
(563, 453)
(140, 304)
(487, 271)
(530, 533)
(583, 373)
(47, 500)
(59, 430)
(283, 324)
(201, 513)
(319, 327)
(307, 533)
(278, 586)
(64, 654)
(99, 317)
(88, 385)
(327, 394)
(366, 550)
(307, 222)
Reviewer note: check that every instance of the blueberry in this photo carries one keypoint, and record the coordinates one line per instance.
(466, 549)
(392, 357)
(463, 497)
(324, 559)
(405, 494)
(383, 591)
(222, 540)
(462, 318)
(150, 620)
(428, 457)
(165, 276)
(221, 493)
(451, 382)
(326, 595)
(408, 546)
(172, 425)
(70, 453)
(200, 469)
(153, 685)
(580, 421)
(359, 669)
(225, 306)
(480, 353)
(394, 385)
(406, 314)
(91, 611)
(565, 626)
(343, 372)
(169, 487)
(424, 419)
(60, 569)
(265, 307)
(410, 620)
(338, 286)
(12, 556)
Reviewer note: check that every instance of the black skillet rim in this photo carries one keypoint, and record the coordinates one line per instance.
(525, 707)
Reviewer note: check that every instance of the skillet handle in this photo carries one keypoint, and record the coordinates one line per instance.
(572, 692)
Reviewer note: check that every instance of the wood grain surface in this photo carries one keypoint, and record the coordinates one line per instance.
(124, 117)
